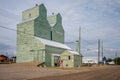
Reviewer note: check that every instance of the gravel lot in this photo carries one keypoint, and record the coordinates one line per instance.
(110, 73)
(25, 72)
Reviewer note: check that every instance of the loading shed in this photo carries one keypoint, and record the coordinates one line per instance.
(70, 59)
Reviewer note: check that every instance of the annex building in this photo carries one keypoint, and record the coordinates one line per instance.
(41, 39)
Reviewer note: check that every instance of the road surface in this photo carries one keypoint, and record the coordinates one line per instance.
(110, 73)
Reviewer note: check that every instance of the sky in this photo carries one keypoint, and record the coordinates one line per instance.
(98, 19)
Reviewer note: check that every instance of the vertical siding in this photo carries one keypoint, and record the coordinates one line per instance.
(48, 59)
(57, 30)
(77, 60)
(24, 38)
(41, 27)
(26, 42)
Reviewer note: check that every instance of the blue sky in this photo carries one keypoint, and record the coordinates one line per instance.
(98, 19)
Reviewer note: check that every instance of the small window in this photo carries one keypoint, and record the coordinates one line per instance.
(29, 14)
(69, 57)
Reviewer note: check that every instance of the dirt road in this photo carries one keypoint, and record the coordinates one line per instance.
(30, 72)
(110, 73)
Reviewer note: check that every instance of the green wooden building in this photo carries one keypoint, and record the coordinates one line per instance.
(40, 38)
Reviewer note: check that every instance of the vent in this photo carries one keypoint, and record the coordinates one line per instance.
(36, 4)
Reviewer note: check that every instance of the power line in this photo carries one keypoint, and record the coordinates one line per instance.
(15, 30)
(8, 14)
(72, 42)
(33, 35)
(8, 28)
(37, 1)
(17, 16)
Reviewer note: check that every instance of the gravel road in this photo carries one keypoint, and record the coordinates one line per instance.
(29, 72)
(110, 73)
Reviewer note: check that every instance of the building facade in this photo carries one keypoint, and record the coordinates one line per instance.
(40, 38)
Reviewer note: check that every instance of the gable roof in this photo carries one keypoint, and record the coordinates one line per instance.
(74, 52)
(53, 43)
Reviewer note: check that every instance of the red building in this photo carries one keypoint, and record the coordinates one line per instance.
(3, 58)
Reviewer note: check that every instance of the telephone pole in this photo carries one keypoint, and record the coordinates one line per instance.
(116, 57)
(102, 53)
(98, 51)
(79, 40)
(80, 46)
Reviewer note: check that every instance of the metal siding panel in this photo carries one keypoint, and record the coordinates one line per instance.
(48, 60)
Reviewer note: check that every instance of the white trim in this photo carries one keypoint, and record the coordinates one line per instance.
(56, 54)
(74, 52)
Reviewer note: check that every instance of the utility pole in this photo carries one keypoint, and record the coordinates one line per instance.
(102, 54)
(79, 40)
(116, 58)
(98, 51)
(80, 46)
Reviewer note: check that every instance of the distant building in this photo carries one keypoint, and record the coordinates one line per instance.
(90, 60)
(4, 58)
(111, 63)
(40, 38)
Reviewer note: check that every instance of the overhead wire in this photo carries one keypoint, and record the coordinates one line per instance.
(8, 14)
(88, 42)
(27, 33)
(22, 32)
(71, 42)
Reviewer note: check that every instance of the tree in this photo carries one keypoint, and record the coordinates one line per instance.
(109, 60)
(117, 60)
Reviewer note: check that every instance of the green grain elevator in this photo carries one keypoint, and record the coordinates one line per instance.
(40, 38)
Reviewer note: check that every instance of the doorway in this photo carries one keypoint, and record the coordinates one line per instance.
(56, 61)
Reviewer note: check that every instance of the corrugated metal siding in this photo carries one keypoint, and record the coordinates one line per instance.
(76, 60)
(48, 59)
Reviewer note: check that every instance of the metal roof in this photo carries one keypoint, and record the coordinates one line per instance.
(74, 52)
(53, 43)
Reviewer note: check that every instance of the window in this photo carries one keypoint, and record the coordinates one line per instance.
(29, 14)
(69, 57)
